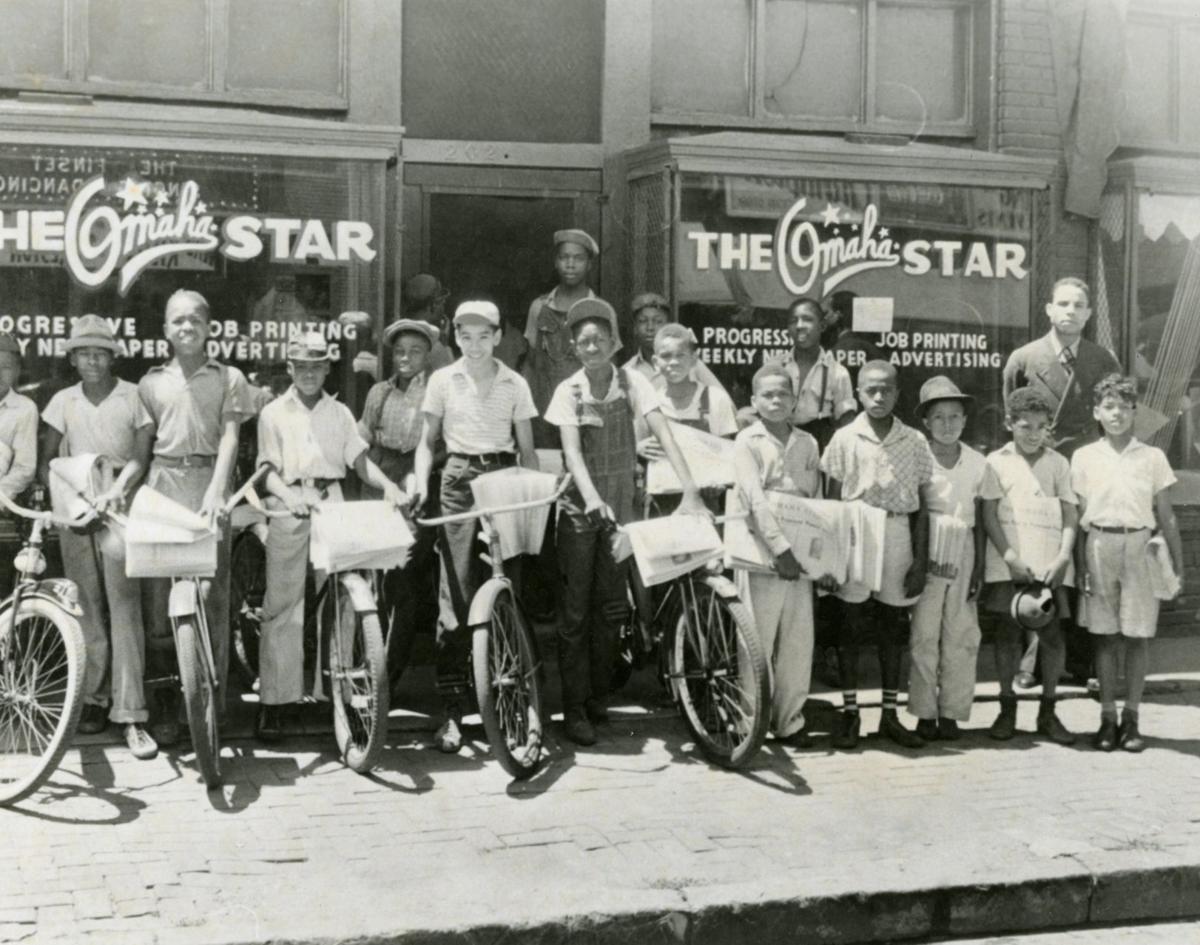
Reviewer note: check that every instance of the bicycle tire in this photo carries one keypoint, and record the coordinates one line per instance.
(199, 698)
(718, 672)
(358, 686)
(508, 686)
(248, 587)
(59, 659)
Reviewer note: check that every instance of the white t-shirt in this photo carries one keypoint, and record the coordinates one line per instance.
(954, 491)
(1118, 489)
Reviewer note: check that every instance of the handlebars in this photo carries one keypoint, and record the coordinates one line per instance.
(563, 485)
(47, 516)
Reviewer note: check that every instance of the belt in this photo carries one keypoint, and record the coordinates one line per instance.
(314, 483)
(488, 459)
(1118, 529)
(899, 514)
(201, 460)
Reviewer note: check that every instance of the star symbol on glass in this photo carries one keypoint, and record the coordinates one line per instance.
(202, 208)
(883, 232)
(829, 216)
(132, 192)
(159, 212)
(162, 198)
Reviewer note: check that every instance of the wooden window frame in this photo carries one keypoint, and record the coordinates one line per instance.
(75, 56)
(760, 117)
(1177, 16)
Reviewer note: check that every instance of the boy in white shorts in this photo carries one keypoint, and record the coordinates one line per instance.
(887, 464)
(1122, 487)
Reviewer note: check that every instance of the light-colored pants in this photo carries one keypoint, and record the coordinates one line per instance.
(83, 564)
(281, 646)
(944, 647)
(1121, 600)
(783, 614)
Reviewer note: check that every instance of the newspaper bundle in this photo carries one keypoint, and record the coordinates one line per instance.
(709, 459)
(948, 542)
(166, 539)
(867, 526)
(665, 548)
(1164, 582)
(1033, 527)
(347, 536)
(817, 530)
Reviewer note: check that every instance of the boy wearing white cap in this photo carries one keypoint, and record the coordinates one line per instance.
(196, 405)
(594, 410)
(310, 439)
(945, 626)
(103, 415)
(482, 409)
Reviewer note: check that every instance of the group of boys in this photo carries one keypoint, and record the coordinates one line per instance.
(425, 435)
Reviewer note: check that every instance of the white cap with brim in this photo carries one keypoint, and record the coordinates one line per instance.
(312, 347)
(477, 313)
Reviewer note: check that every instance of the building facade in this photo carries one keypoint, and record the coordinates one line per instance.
(926, 167)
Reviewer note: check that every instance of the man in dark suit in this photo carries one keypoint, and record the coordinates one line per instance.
(1065, 366)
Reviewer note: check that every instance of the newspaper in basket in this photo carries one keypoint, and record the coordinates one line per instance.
(665, 548)
(348, 536)
(166, 539)
(708, 457)
(519, 532)
(75, 481)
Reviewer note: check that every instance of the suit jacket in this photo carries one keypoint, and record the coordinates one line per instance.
(1037, 365)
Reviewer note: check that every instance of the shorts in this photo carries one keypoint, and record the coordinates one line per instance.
(1121, 600)
(897, 559)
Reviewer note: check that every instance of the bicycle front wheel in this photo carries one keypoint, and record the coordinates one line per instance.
(41, 695)
(199, 694)
(357, 681)
(718, 672)
(507, 686)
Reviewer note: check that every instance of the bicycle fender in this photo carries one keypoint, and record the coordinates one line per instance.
(182, 602)
(62, 592)
(362, 599)
(481, 603)
(722, 586)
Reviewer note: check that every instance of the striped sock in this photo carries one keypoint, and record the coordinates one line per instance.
(850, 701)
(889, 699)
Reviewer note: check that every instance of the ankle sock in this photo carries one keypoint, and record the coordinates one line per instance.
(850, 702)
(1108, 710)
(889, 699)
(1130, 712)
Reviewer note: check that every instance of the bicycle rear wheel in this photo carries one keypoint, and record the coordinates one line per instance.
(248, 587)
(199, 693)
(508, 687)
(718, 672)
(41, 695)
(358, 684)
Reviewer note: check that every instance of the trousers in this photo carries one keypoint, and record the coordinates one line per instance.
(99, 579)
(783, 615)
(944, 647)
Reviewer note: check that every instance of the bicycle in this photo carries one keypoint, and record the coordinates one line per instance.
(355, 658)
(41, 664)
(505, 665)
(712, 662)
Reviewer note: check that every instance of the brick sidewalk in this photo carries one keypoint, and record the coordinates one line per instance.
(636, 840)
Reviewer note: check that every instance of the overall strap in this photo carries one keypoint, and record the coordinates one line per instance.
(704, 406)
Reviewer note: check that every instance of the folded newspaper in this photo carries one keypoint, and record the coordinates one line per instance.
(817, 531)
(665, 548)
(75, 481)
(1033, 527)
(948, 537)
(1164, 582)
(709, 459)
(520, 532)
(868, 526)
(166, 539)
(347, 536)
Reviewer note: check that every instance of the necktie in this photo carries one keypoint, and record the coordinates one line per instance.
(1067, 359)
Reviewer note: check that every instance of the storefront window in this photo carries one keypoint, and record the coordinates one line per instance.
(277, 245)
(934, 278)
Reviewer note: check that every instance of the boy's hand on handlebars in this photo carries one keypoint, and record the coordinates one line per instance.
(416, 496)
(599, 512)
(298, 506)
(397, 497)
(692, 504)
(827, 583)
(212, 509)
(111, 500)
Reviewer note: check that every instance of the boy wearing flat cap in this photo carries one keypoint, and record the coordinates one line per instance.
(552, 356)
(944, 643)
(391, 425)
(310, 439)
(103, 415)
(482, 409)
(595, 409)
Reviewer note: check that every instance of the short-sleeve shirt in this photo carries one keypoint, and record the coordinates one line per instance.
(887, 474)
(1010, 475)
(321, 443)
(825, 393)
(563, 409)
(764, 464)
(189, 413)
(1118, 488)
(722, 418)
(954, 491)
(475, 422)
(391, 417)
(108, 428)
(18, 432)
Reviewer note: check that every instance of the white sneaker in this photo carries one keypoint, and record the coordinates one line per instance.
(139, 742)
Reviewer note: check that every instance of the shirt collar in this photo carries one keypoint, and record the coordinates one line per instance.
(1058, 346)
(862, 426)
(823, 357)
(9, 399)
(1133, 444)
(418, 382)
(503, 371)
(293, 395)
(759, 429)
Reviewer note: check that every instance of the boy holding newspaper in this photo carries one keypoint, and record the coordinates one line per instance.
(1030, 516)
(945, 627)
(773, 459)
(1122, 488)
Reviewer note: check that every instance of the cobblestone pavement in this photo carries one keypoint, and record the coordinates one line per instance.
(295, 847)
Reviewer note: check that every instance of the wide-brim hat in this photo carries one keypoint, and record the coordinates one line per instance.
(91, 331)
(477, 312)
(577, 236)
(594, 309)
(941, 388)
(311, 347)
(1033, 606)
(412, 325)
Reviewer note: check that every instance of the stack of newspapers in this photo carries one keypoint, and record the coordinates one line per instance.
(948, 537)
(665, 548)
(1032, 526)
(709, 459)
(347, 536)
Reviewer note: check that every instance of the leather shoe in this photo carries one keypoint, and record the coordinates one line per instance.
(1048, 724)
(1106, 738)
(139, 742)
(947, 730)
(927, 729)
(268, 724)
(579, 729)
(1129, 737)
(845, 731)
(596, 711)
(892, 728)
(92, 720)
(798, 739)
(1005, 726)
